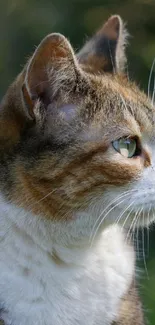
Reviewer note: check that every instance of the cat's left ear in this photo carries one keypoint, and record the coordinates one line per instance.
(52, 66)
(105, 51)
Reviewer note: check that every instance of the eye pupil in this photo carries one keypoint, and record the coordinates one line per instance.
(127, 147)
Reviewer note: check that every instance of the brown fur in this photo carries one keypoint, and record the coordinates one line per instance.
(34, 177)
(53, 164)
(130, 303)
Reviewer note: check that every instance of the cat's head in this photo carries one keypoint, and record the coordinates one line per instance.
(76, 136)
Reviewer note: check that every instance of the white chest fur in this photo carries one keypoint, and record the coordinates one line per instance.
(83, 287)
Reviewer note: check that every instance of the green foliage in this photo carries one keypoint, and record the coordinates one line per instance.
(23, 23)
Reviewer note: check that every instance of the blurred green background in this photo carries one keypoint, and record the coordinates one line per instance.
(23, 23)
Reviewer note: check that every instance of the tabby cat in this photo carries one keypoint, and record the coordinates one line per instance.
(76, 168)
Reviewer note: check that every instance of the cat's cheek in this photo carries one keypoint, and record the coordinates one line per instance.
(123, 172)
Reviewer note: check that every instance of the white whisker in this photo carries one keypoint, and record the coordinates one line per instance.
(148, 232)
(136, 217)
(95, 233)
(137, 235)
(126, 219)
(104, 210)
(132, 223)
(150, 77)
(153, 95)
(133, 229)
(143, 248)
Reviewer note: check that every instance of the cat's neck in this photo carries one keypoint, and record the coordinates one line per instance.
(53, 271)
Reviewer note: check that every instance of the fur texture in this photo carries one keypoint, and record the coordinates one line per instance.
(130, 302)
(49, 283)
(66, 193)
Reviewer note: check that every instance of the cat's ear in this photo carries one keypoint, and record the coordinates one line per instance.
(53, 62)
(49, 76)
(105, 52)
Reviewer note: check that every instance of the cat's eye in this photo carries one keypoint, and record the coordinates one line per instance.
(127, 147)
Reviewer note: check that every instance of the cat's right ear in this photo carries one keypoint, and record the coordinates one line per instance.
(52, 64)
(105, 51)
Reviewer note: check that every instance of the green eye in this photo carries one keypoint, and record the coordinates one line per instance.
(127, 147)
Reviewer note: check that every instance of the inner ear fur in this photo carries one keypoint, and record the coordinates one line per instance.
(105, 51)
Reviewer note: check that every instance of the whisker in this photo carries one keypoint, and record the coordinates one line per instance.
(138, 239)
(95, 233)
(152, 100)
(104, 210)
(148, 232)
(135, 223)
(127, 215)
(93, 237)
(150, 77)
(143, 248)
(133, 230)
(44, 197)
(132, 223)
